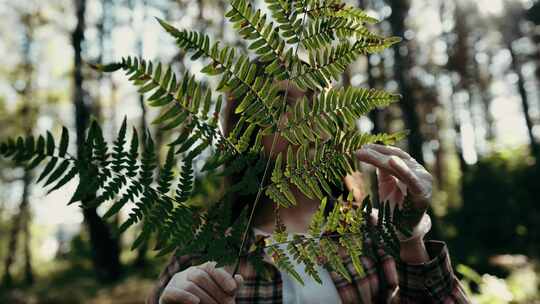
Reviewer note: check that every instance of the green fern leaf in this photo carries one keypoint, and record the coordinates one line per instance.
(330, 250)
(50, 144)
(58, 172)
(64, 141)
(252, 25)
(65, 179)
(283, 262)
(48, 168)
(286, 14)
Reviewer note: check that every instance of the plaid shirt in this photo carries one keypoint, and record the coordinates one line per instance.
(384, 281)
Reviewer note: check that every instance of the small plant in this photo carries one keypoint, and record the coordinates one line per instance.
(309, 44)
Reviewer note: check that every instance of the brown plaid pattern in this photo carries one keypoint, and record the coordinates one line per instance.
(384, 281)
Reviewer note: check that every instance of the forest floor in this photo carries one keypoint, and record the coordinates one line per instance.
(128, 291)
(76, 285)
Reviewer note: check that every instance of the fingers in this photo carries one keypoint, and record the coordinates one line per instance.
(400, 164)
(391, 189)
(408, 159)
(389, 150)
(224, 279)
(197, 291)
(202, 284)
(203, 280)
(239, 280)
(176, 296)
(373, 158)
(405, 174)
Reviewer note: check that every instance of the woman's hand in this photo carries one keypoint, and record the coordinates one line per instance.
(203, 284)
(399, 175)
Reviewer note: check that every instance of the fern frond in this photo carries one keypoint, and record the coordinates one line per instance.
(283, 262)
(322, 8)
(328, 63)
(329, 249)
(316, 225)
(286, 14)
(303, 251)
(280, 191)
(130, 165)
(353, 244)
(324, 31)
(268, 45)
(180, 220)
(355, 13)
(332, 110)
(257, 94)
(60, 167)
(163, 205)
(186, 101)
(146, 178)
(312, 173)
(166, 173)
(119, 155)
(111, 180)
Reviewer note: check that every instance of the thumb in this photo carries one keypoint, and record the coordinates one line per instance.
(239, 280)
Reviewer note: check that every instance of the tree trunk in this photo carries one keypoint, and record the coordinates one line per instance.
(402, 62)
(141, 258)
(27, 220)
(17, 224)
(484, 79)
(105, 248)
(516, 67)
(22, 220)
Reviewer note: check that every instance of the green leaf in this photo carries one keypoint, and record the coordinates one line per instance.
(64, 141)
(48, 168)
(61, 169)
(50, 144)
(65, 179)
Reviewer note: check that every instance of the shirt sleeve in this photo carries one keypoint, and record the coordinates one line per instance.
(175, 264)
(430, 282)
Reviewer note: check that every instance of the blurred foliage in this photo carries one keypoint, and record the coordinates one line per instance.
(499, 213)
(521, 286)
(71, 279)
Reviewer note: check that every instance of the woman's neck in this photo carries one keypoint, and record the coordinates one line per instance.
(295, 218)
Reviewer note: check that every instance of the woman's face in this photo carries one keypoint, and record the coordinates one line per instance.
(293, 94)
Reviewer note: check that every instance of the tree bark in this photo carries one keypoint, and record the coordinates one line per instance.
(483, 80)
(16, 226)
(22, 219)
(27, 220)
(141, 258)
(105, 248)
(516, 67)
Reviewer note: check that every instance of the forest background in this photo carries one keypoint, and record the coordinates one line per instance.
(468, 71)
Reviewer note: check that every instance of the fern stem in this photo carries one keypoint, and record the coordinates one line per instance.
(261, 187)
(257, 198)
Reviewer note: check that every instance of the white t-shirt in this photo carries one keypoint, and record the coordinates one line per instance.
(311, 292)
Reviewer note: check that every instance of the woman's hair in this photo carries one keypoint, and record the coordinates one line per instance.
(239, 200)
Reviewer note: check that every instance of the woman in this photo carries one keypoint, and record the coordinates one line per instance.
(423, 274)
